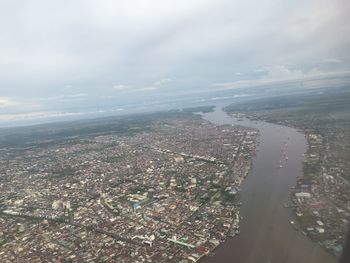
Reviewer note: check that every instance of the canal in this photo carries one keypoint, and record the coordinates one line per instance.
(266, 233)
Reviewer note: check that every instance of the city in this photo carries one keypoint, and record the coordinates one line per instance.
(168, 193)
(175, 131)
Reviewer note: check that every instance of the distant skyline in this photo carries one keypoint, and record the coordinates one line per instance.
(57, 56)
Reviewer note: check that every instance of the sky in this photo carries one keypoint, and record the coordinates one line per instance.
(65, 57)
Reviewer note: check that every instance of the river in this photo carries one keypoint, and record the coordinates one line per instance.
(266, 233)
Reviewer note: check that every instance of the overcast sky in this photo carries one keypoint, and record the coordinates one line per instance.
(58, 55)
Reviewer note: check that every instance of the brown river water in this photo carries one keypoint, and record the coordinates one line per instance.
(266, 233)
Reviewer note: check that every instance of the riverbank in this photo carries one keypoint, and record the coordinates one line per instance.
(322, 197)
(266, 234)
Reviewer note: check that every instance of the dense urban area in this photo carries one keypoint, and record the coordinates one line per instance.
(155, 188)
(321, 199)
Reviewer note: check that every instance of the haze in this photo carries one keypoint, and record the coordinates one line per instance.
(65, 58)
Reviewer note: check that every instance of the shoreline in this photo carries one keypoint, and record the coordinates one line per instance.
(218, 253)
(295, 203)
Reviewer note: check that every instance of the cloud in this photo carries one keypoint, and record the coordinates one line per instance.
(280, 72)
(148, 88)
(163, 81)
(121, 87)
(283, 74)
(259, 70)
(155, 86)
(122, 49)
(36, 115)
(78, 96)
(158, 84)
(332, 60)
(6, 102)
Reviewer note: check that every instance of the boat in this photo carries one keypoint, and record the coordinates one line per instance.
(293, 224)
